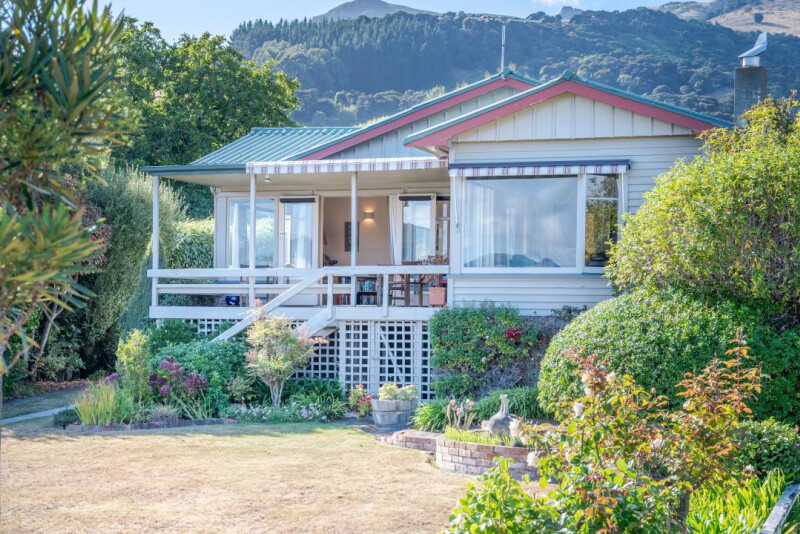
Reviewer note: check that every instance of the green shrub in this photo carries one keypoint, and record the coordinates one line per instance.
(523, 402)
(430, 417)
(169, 333)
(164, 413)
(64, 418)
(105, 404)
(390, 391)
(327, 394)
(769, 445)
(726, 224)
(656, 337)
(218, 361)
(737, 507)
(133, 365)
(292, 413)
(476, 348)
(194, 248)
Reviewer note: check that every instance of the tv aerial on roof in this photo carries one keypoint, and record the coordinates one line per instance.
(752, 58)
(504, 20)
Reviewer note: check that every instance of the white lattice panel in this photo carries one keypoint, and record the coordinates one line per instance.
(324, 363)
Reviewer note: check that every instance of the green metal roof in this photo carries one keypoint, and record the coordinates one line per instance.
(270, 144)
(507, 73)
(568, 75)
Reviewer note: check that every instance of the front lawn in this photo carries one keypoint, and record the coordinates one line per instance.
(265, 478)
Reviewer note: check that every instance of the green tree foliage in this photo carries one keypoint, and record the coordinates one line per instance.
(726, 225)
(58, 105)
(194, 97)
(194, 246)
(658, 337)
(133, 365)
(649, 52)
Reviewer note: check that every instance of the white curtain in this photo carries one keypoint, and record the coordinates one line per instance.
(396, 228)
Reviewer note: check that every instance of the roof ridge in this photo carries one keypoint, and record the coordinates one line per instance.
(300, 128)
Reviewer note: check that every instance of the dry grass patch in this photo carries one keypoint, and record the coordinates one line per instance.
(282, 478)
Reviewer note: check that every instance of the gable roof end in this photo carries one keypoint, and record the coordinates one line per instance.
(417, 112)
(440, 134)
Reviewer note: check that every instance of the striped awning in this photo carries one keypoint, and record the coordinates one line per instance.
(538, 168)
(345, 165)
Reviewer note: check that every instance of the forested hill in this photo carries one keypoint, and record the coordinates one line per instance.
(355, 70)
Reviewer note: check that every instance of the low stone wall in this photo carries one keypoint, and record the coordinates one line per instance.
(476, 458)
(93, 429)
(415, 439)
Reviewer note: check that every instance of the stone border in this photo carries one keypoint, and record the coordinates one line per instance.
(477, 458)
(94, 429)
(415, 439)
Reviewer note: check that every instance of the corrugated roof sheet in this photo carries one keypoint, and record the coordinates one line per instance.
(271, 144)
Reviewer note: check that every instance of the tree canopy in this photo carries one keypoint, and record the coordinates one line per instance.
(728, 224)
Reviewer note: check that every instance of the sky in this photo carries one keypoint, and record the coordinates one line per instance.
(175, 17)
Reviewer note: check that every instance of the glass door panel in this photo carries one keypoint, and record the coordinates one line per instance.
(298, 235)
(417, 229)
(238, 246)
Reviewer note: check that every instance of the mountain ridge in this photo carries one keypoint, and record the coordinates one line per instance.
(368, 8)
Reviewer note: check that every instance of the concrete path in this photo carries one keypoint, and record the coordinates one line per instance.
(36, 415)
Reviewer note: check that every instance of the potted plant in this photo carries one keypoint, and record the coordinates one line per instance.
(437, 289)
(394, 405)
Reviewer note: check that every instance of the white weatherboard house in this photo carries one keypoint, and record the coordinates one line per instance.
(517, 185)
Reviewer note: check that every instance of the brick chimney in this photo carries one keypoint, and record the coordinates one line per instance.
(750, 79)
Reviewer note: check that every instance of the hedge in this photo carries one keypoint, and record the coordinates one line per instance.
(657, 337)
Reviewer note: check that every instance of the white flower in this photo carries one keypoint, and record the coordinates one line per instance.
(578, 408)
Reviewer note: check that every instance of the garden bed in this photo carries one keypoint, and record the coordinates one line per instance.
(94, 429)
(477, 458)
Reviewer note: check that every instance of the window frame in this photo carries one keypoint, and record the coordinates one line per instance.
(580, 247)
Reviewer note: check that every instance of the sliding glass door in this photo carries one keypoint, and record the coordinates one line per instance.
(298, 233)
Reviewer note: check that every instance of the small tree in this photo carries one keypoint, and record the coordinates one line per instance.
(133, 364)
(278, 350)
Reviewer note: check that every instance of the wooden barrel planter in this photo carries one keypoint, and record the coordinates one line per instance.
(476, 458)
(392, 413)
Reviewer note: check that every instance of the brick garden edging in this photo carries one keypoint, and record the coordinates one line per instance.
(415, 439)
(476, 458)
(94, 429)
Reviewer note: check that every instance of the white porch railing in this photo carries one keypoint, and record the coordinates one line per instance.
(325, 287)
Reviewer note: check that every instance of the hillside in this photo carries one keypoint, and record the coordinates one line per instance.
(775, 16)
(367, 8)
(354, 70)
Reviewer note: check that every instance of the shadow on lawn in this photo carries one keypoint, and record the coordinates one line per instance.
(43, 430)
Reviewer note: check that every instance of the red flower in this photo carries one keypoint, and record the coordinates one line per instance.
(513, 333)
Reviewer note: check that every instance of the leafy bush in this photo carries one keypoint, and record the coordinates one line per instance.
(499, 504)
(475, 349)
(218, 361)
(64, 418)
(105, 403)
(736, 507)
(360, 401)
(169, 333)
(431, 416)
(522, 401)
(133, 364)
(390, 391)
(657, 337)
(185, 390)
(194, 247)
(726, 224)
(769, 445)
(291, 413)
(327, 394)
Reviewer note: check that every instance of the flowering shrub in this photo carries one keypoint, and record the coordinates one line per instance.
(175, 386)
(360, 401)
(291, 413)
(623, 461)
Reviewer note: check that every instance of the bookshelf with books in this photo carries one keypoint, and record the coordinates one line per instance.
(367, 290)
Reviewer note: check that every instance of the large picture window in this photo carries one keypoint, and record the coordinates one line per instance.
(521, 222)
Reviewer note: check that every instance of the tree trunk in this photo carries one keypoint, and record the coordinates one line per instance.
(276, 389)
(683, 510)
(48, 325)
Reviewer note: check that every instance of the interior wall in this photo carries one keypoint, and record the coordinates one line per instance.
(374, 240)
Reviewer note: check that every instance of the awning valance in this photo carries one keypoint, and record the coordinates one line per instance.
(538, 168)
(345, 165)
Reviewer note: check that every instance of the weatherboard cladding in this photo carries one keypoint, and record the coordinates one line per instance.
(271, 144)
